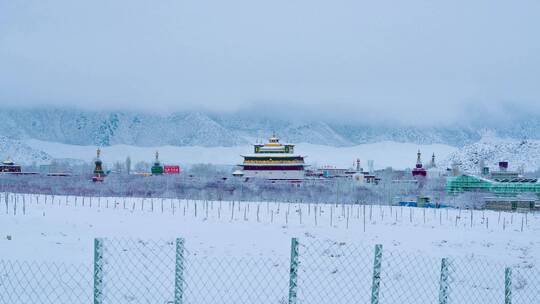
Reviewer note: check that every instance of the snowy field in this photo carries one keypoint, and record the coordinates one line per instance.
(61, 229)
(386, 153)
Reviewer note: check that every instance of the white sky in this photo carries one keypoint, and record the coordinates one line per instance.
(394, 58)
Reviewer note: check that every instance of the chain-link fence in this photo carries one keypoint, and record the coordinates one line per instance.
(37, 282)
(318, 271)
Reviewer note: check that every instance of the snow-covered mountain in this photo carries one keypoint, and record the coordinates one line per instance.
(521, 154)
(477, 141)
(81, 127)
(21, 152)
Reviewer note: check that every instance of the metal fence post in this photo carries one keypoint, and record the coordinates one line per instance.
(293, 273)
(179, 272)
(508, 285)
(443, 283)
(377, 263)
(98, 271)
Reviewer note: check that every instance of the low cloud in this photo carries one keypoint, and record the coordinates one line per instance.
(410, 63)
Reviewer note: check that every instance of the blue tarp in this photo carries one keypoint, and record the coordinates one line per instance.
(425, 205)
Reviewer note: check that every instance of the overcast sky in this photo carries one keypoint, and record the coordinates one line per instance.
(387, 58)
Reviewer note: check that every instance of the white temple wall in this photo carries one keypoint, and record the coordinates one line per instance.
(275, 174)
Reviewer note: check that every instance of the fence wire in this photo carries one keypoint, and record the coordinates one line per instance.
(38, 282)
(525, 285)
(334, 272)
(319, 271)
(409, 278)
(476, 281)
(235, 280)
(137, 271)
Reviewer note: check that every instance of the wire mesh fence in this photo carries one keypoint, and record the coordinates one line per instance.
(37, 282)
(318, 271)
(334, 272)
(408, 278)
(525, 285)
(235, 280)
(135, 271)
(476, 281)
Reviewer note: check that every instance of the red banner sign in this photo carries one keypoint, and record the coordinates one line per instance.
(171, 169)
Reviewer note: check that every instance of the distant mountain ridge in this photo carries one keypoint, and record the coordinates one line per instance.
(104, 128)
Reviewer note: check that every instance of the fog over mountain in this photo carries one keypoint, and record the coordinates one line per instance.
(411, 62)
(196, 128)
(228, 73)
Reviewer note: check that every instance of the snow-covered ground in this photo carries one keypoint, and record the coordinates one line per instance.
(230, 240)
(387, 153)
(64, 229)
